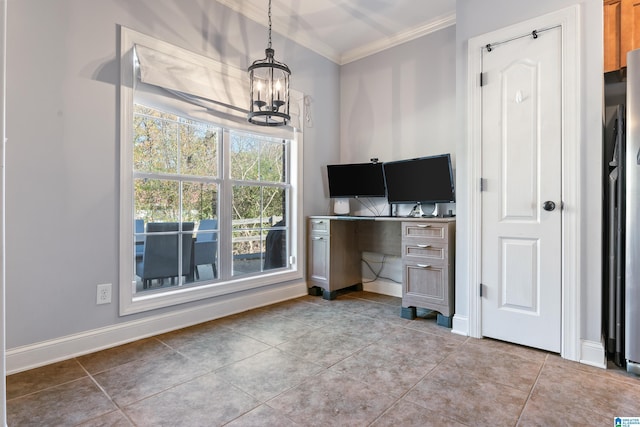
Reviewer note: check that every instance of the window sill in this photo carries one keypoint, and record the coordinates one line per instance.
(168, 298)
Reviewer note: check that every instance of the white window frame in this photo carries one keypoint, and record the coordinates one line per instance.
(130, 302)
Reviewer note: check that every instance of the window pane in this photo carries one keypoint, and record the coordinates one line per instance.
(205, 251)
(257, 158)
(200, 204)
(274, 202)
(247, 222)
(155, 141)
(157, 200)
(166, 256)
(272, 158)
(247, 203)
(245, 155)
(199, 201)
(275, 248)
(198, 149)
(247, 251)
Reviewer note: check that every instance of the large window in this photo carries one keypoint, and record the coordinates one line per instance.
(209, 205)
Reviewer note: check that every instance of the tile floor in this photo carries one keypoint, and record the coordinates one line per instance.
(352, 361)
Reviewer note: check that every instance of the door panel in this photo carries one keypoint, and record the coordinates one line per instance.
(519, 268)
(519, 95)
(521, 166)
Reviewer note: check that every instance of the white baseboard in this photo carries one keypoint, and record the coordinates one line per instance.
(384, 287)
(460, 325)
(593, 353)
(63, 348)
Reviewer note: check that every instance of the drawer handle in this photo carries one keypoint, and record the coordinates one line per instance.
(424, 225)
(424, 246)
(424, 265)
(317, 238)
(319, 222)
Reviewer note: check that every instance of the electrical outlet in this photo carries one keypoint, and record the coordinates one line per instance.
(104, 294)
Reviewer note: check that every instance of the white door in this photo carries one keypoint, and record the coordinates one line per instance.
(521, 170)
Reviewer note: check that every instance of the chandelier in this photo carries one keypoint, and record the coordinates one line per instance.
(269, 89)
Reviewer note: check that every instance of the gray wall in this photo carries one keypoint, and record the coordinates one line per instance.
(62, 154)
(474, 18)
(400, 103)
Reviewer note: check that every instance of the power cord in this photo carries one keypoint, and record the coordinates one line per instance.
(369, 205)
(377, 273)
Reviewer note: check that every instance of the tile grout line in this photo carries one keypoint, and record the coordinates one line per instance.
(533, 387)
(107, 395)
(403, 395)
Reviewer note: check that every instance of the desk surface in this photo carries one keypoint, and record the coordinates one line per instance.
(383, 218)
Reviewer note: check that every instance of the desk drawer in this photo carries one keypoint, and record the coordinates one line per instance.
(425, 250)
(319, 226)
(427, 286)
(429, 230)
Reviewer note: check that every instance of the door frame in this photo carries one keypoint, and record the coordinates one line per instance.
(568, 20)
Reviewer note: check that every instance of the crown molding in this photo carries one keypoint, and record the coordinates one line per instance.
(412, 34)
(259, 16)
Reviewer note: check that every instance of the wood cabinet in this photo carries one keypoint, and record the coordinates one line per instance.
(621, 32)
(428, 252)
(333, 257)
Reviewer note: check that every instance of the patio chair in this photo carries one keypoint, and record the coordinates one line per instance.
(160, 257)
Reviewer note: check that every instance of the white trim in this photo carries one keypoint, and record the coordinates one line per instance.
(46, 352)
(384, 287)
(568, 19)
(572, 171)
(460, 325)
(592, 353)
(474, 198)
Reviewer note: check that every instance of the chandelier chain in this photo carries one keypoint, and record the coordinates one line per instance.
(269, 46)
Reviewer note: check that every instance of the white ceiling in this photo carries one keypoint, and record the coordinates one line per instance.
(347, 30)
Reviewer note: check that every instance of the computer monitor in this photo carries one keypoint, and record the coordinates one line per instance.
(356, 180)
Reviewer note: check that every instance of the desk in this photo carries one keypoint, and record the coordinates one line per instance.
(425, 245)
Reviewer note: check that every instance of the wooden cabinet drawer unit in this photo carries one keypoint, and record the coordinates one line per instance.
(333, 257)
(428, 268)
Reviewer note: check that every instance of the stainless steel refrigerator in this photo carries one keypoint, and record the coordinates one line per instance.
(632, 214)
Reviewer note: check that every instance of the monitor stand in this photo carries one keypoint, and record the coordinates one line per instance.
(417, 211)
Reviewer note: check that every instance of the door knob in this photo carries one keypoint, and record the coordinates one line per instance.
(548, 205)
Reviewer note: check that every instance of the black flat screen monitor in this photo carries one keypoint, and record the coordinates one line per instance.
(421, 180)
(356, 180)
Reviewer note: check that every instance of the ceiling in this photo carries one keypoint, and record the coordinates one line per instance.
(346, 30)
